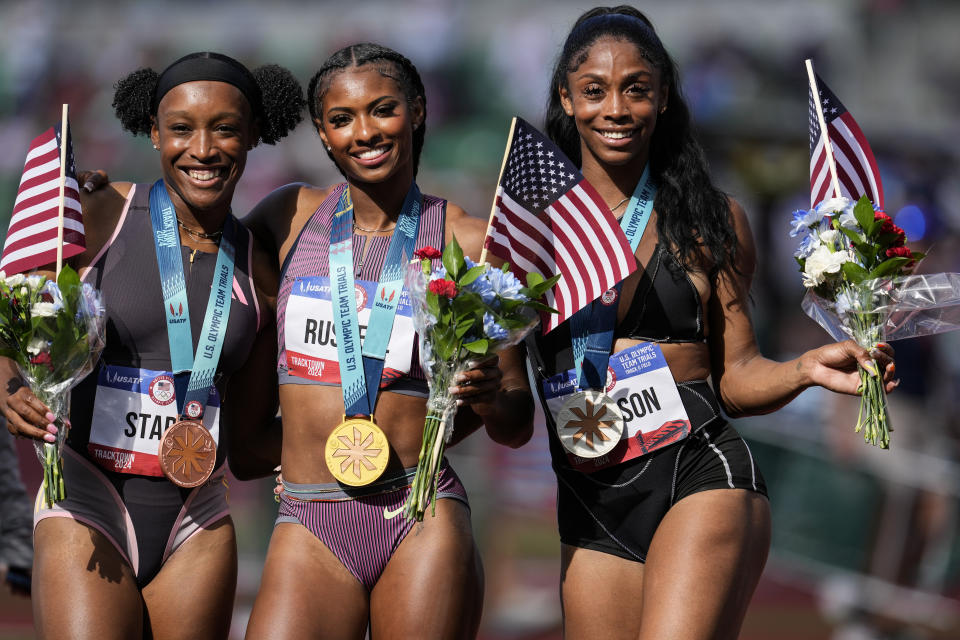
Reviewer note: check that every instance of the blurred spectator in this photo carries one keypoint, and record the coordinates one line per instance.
(16, 516)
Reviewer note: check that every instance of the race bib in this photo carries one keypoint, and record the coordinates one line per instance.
(133, 408)
(640, 382)
(310, 339)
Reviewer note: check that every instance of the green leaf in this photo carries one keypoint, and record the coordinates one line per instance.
(533, 279)
(433, 304)
(472, 274)
(453, 259)
(539, 306)
(863, 212)
(67, 279)
(854, 272)
(887, 267)
(463, 326)
(478, 346)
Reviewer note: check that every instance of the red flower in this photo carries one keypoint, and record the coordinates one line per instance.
(428, 253)
(899, 252)
(447, 288)
(42, 358)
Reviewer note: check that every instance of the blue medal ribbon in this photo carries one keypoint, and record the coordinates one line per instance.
(203, 365)
(360, 370)
(592, 328)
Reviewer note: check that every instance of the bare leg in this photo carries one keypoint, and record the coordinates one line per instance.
(306, 592)
(702, 567)
(192, 596)
(433, 584)
(704, 564)
(82, 586)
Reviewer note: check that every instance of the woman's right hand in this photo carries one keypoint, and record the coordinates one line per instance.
(91, 181)
(27, 416)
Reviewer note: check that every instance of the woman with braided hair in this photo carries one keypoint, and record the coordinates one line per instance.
(337, 564)
(143, 545)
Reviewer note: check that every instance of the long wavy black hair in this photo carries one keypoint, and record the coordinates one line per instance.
(693, 213)
(386, 61)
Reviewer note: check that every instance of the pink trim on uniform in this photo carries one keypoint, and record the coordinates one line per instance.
(253, 289)
(103, 249)
(90, 523)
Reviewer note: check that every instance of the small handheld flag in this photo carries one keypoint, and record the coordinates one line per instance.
(32, 237)
(548, 219)
(841, 162)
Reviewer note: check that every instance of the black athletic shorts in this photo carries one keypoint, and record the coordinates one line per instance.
(617, 510)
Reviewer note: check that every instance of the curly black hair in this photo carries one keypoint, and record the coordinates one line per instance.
(389, 63)
(279, 109)
(693, 213)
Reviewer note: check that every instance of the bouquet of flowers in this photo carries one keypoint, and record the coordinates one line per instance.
(462, 311)
(856, 266)
(54, 331)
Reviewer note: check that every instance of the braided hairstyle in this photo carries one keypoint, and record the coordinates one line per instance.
(388, 63)
(275, 96)
(693, 213)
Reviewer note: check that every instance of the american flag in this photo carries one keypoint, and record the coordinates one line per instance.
(857, 170)
(32, 236)
(548, 219)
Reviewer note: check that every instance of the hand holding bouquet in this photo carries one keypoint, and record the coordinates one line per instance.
(463, 312)
(54, 331)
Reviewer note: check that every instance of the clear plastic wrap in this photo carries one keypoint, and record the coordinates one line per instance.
(54, 331)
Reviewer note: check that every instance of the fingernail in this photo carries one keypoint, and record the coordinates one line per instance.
(459, 403)
(452, 389)
(50, 417)
(871, 369)
(88, 186)
(49, 437)
(52, 428)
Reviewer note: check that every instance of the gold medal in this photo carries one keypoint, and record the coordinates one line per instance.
(589, 424)
(357, 451)
(187, 454)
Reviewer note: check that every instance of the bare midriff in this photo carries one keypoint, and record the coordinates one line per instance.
(311, 412)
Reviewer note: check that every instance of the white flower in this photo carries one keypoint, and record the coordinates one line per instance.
(829, 237)
(834, 205)
(36, 345)
(822, 262)
(3, 276)
(35, 281)
(43, 309)
(15, 280)
(848, 221)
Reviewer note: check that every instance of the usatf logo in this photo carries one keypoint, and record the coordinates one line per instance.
(176, 315)
(385, 298)
(161, 390)
(361, 295)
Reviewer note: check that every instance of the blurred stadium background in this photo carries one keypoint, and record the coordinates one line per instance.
(865, 542)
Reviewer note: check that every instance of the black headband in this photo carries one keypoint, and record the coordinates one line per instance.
(209, 66)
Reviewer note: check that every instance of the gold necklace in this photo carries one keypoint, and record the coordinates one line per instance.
(389, 227)
(200, 235)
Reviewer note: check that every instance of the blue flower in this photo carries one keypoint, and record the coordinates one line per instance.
(807, 246)
(481, 286)
(803, 220)
(493, 330)
(506, 285)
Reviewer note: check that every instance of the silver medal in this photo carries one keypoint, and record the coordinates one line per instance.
(589, 424)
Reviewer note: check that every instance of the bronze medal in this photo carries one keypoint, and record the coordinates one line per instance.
(187, 454)
(357, 452)
(589, 424)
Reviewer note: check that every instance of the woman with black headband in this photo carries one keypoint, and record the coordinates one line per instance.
(337, 564)
(143, 544)
(665, 532)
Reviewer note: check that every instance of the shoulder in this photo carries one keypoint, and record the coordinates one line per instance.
(102, 211)
(746, 253)
(272, 218)
(469, 230)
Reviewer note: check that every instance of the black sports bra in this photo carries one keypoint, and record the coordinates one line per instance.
(665, 307)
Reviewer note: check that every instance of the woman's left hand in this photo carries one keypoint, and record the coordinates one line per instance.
(835, 366)
(478, 385)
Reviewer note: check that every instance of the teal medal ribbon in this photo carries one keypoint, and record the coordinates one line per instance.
(592, 328)
(202, 366)
(360, 370)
